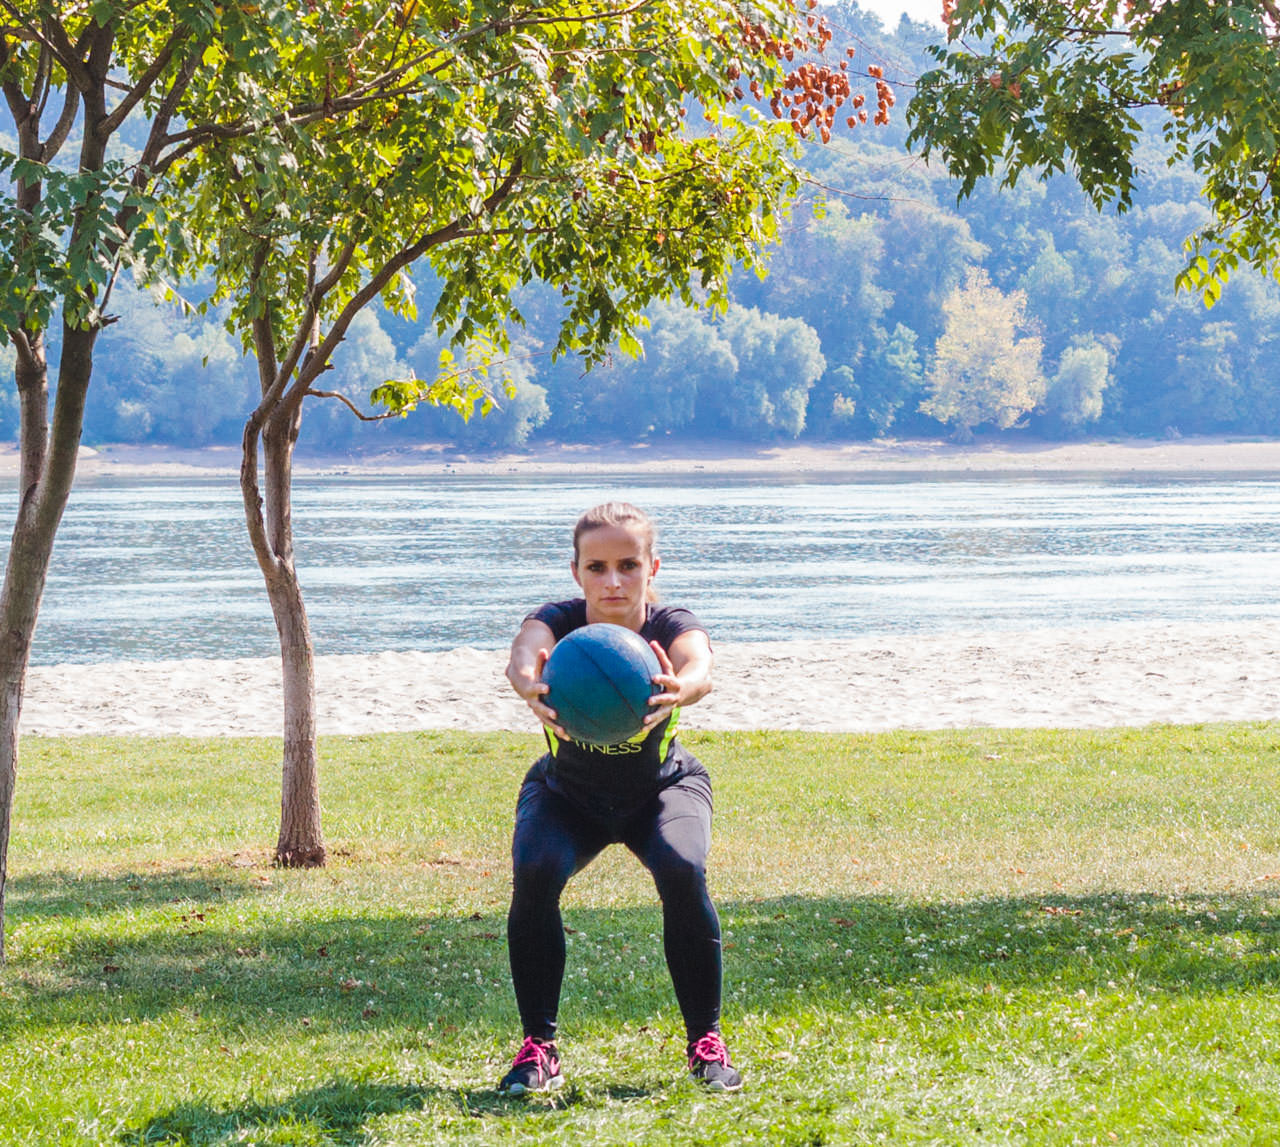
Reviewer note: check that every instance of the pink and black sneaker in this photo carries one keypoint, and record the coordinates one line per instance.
(709, 1064)
(535, 1068)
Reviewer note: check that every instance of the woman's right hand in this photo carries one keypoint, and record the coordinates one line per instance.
(528, 683)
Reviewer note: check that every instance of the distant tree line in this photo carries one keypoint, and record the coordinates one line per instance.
(893, 312)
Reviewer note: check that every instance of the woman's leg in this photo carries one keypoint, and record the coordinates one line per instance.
(672, 838)
(551, 842)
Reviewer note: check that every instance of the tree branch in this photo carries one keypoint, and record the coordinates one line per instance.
(145, 81)
(393, 267)
(22, 344)
(339, 268)
(62, 129)
(360, 414)
(32, 30)
(149, 160)
(15, 97)
(376, 88)
(68, 54)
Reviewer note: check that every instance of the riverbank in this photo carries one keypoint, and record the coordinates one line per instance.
(1206, 454)
(1120, 675)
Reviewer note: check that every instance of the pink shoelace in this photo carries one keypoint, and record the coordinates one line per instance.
(710, 1049)
(535, 1053)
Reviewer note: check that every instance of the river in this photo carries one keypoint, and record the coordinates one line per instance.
(154, 569)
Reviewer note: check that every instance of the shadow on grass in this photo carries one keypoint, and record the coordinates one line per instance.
(412, 974)
(67, 896)
(340, 1110)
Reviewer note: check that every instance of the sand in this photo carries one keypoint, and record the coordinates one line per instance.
(1217, 455)
(1118, 675)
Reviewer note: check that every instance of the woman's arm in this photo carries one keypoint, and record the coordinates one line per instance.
(529, 652)
(686, 674)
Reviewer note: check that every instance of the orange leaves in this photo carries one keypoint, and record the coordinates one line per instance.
(814, 95)
(813, 92)
(884, 101)
(1013, 87)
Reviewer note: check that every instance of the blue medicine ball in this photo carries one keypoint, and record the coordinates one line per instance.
(601, 679)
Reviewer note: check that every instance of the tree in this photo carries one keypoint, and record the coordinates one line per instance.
(1039, 87)
(1074, 393)
(983, 371)
(500, 145)
(74, 76)
(778, 361)
(685, 355)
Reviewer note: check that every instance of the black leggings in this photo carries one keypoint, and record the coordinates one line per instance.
(554, 839)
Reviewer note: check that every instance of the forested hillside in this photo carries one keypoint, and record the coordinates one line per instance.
(893, 311)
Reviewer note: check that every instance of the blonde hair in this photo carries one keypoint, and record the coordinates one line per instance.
(622, 514)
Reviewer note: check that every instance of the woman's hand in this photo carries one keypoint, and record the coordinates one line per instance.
(669, 694)
(529, 653)
(685, 675)
(532, 688)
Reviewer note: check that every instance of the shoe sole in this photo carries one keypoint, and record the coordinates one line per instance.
(715, 1085)
(519, 1088)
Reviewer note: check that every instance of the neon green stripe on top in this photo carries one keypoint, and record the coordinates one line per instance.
(669, 735)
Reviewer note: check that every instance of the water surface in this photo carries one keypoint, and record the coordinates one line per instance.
(161, 568)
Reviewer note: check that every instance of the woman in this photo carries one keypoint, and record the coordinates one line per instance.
(576, 800)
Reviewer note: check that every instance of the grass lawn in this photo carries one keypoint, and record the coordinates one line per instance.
(978, 937)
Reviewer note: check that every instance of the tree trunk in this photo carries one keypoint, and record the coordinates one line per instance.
(300, 843)
(24, 581)
(48, 466)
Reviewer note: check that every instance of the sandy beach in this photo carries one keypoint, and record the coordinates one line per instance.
(1208, 455)
(1118, 675)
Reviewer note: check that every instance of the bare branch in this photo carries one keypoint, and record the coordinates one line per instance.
(62, 129)
(145, 81)
(264, 339)
(22, 344)
(339, 268)
(68, 54)
(15, 97)
(41, 84)
(252, 496)
(148, 162)
(360, 414)
(301, 342)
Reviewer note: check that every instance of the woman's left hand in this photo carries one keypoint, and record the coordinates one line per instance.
(663, 702)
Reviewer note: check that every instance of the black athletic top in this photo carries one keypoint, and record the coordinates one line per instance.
(609, 778)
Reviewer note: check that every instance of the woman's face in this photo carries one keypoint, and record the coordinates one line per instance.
(614, 568)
